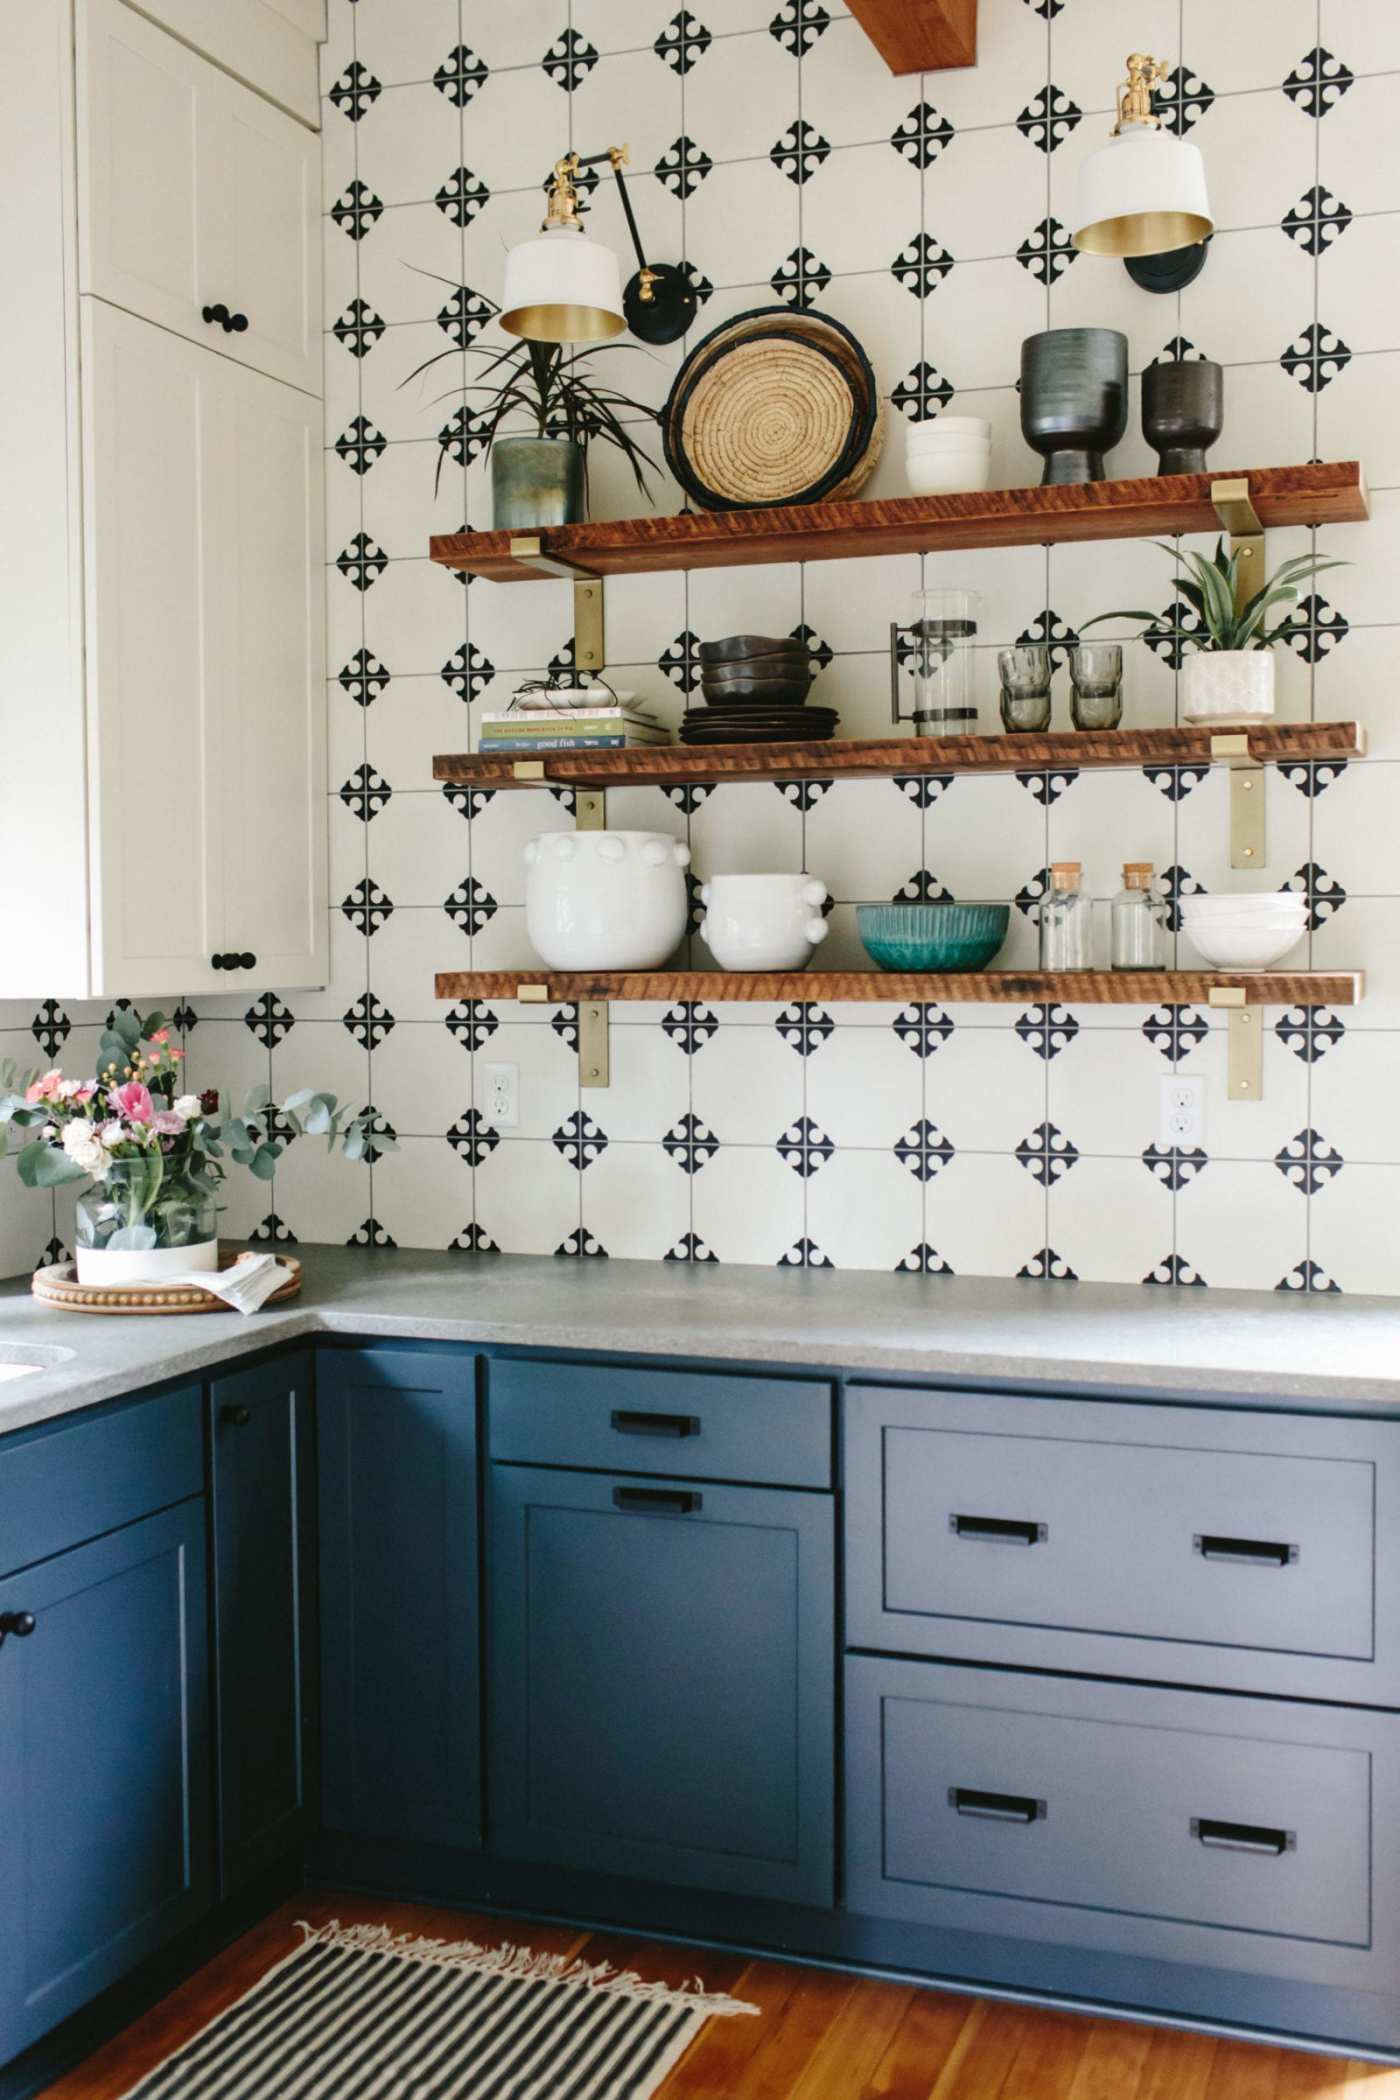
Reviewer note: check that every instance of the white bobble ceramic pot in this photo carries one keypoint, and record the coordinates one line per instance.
(1228, 685)
(763, 922)
(605, 900)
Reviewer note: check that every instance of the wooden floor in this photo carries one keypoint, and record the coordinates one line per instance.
(820, 2036)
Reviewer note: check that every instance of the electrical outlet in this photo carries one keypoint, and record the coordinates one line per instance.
(1183, 1112)
(501, 1084)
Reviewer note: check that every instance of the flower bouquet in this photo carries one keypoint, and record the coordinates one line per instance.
(153, 1154)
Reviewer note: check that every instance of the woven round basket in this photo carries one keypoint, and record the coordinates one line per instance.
(777, 406)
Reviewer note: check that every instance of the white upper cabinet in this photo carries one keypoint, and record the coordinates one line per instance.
(203, 562)
(198, 200)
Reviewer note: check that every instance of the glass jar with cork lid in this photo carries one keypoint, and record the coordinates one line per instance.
(1066, 917)
(1135, 921)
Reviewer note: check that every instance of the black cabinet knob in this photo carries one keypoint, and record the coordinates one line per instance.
(247, 962)
(236, 1417)
(230, 960)
(219, 316)
(216, 962)
(20, 1623)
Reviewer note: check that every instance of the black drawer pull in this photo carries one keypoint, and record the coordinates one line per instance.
(1253, 1553)
(630, 1421)
(665, 1502)
(1002, 1531)
(1242, 1837)
(995, 1808)
(19, 1623)
(236, 1415)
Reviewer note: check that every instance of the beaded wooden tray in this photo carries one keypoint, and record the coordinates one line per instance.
(58, 1285)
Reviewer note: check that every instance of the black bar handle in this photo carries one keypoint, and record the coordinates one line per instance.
(236, 1415)
(633, 1421)
(1003, 1531)
(1221, 1836)
(666, 1502)
(995, 1808)
(1253, 1553)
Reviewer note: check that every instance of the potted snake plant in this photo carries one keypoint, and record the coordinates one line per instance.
(1228, 672)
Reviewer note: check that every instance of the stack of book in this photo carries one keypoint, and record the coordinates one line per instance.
(609, 725)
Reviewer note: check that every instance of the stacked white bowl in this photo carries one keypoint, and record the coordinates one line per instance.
(949, 454)
(1245, 932)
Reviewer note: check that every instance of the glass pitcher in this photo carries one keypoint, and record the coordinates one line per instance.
(938, 649)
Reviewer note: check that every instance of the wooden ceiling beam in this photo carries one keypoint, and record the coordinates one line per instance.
(920, 36)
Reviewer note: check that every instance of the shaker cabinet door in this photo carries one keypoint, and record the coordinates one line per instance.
(196, 198)
(661, 1680)
(104, 1836)
(400, 1669)
(261, 1447)
(206, 658)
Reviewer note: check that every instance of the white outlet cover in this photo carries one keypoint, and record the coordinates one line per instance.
(1182, 1112)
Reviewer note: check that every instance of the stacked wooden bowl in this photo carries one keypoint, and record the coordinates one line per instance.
(778, 406)
(755, 688)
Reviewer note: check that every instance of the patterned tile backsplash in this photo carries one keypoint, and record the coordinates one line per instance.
(774, 154)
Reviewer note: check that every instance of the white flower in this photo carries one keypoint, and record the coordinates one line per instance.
(85, 1148)
(187, 1106)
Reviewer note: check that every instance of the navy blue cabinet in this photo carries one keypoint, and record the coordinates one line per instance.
(262, 1474)
(104, 1766)
(400, 1665)
(661, 1679)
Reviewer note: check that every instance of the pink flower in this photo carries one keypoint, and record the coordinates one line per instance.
(45, 1089)
(134, 1101)
(162, 1035)
(167, 1124)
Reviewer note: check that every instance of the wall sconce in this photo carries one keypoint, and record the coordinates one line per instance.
(1142, 196)
(563, 288)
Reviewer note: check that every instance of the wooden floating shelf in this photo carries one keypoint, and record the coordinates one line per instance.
(920, 36)
(980, 987)
(882, 758)
(1320, 494)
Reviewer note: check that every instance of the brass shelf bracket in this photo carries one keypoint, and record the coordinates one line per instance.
(1248, 840)
(590, 814)
(588, 599)
(1234, 506)
(1245, 1068)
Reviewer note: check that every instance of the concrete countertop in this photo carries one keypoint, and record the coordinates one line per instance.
(1272, 1349)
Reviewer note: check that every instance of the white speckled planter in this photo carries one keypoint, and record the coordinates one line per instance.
(1228, 686)
(106, 1265)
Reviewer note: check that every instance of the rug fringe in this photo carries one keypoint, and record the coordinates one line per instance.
(524, 1964)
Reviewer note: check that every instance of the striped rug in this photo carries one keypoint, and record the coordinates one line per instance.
(356, 2013)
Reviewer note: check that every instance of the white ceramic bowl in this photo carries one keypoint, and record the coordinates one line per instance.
(605, 900)
(949, 472)
(1283, 907)
(1243, 947)
(763, 922)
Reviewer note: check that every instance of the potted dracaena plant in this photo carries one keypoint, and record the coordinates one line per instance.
(539, 476)
(151, 1152)
(1228, 672)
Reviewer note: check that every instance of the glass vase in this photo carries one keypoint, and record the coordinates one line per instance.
(147, 1219)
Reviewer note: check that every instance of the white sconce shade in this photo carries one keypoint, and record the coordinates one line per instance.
(1141, 193)
(561, 287)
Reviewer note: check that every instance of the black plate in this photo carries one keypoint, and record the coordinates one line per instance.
(800, 717)
(755, 735)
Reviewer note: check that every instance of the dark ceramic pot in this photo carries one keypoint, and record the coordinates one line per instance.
(1074, 399)
(1183, 413)
(536, 481)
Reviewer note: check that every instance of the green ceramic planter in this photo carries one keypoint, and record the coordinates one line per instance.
(536, 481)
(932, 936)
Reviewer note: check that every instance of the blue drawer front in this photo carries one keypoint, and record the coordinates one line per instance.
(695, 1425)
(89, 1474)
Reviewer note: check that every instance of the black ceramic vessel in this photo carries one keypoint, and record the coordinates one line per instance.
(1183, 413)
(1074, 399)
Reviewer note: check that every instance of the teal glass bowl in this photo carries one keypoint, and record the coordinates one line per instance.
(932, 936)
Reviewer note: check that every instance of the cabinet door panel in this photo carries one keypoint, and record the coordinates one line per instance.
(260, 1436)
(270, 649)
(270, 187)
(195, 193)
(661, 1669)
(400, 1691)
(148, 120)
(104, 1840)
(153, 599)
